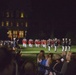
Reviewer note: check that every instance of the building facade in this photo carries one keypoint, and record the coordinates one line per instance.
(16, 23)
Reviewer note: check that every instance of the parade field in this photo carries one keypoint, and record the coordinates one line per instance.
(35, 50)
(30, 54)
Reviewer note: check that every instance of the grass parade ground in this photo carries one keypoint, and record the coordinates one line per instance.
(35, 50)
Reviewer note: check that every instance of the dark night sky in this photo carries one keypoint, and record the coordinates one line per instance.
(46, 16)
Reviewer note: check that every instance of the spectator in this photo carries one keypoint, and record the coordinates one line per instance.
(28, 68)
(65, 64)
(48, 63)
(6, 62)
(40, 56)
(71, 67)
(63, 56)
(58, 65)
(41, 63)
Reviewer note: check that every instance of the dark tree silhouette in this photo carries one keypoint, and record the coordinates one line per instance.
(3, 33)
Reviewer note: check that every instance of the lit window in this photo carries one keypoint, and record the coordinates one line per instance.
(17, 24)
(7, 14)
(21, 34)
(15, 34)
(26, 24)
(22, 15)
(25, 33)
(7, 23)
(9, 34)
(2, 23)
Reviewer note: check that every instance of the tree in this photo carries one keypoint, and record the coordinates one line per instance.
(3, 33)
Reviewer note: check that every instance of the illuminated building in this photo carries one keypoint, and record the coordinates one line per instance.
(14, 18)
(15, 22)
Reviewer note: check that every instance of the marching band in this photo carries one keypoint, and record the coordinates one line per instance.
(50, 43)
